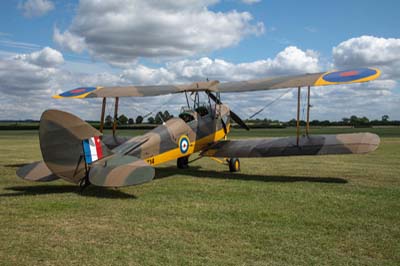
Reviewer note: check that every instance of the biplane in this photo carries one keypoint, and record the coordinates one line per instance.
(75, 151)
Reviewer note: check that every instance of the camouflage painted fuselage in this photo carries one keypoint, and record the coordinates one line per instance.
(163, 143)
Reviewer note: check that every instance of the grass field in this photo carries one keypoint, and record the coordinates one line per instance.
(334, 210)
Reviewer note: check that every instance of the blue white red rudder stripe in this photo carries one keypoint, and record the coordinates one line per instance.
(92, 149)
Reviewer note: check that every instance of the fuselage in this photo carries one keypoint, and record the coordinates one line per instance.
(179, 137)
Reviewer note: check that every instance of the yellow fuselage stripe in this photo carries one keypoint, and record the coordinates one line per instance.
(194, 146)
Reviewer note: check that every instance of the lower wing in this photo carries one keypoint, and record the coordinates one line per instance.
(357, 143)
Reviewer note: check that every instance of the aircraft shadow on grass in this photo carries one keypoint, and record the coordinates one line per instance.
(198, 172)
(96, 192)
(165, 172)
(15, 165)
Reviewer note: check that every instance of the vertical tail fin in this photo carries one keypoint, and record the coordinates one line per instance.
(62, 142)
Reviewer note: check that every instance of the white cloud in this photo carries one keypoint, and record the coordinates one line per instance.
(369, 51)
(18, 77)
(120, 31)
(47, 57)
(69, 41)
(21, 78)
(145, 75)
(36, 8)
(28, 75)
(289, 61)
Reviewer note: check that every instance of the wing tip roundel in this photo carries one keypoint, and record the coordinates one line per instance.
(78, 93)
(357, 75)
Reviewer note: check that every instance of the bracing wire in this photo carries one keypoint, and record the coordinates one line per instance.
(158, 108)
(140, 112)
(270, 103)
(109, 108)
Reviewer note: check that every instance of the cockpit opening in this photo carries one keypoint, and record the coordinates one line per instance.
(186, 116)
(202, 111)
(189, 114)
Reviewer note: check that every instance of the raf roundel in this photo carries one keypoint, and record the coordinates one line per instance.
(184, 144)
(350, 75)
(78, 92)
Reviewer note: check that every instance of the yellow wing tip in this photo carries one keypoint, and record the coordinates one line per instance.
(378, 73)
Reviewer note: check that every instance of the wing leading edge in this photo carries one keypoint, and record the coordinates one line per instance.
(318, 79)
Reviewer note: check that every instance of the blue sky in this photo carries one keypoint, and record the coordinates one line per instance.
(106, 44)
(312, 24)
(309, 25)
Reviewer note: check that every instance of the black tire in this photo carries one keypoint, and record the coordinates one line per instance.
(183, 162)
(234, 165)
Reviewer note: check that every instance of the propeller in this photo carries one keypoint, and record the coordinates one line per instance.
(234, 116)
(238, 120)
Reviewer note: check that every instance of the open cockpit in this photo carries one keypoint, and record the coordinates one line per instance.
(190, 114)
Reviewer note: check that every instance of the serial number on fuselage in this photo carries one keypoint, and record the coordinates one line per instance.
(150, 161)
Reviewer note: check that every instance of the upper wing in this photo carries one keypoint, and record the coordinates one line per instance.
(136, 91)
(318, 79)
(308, 145)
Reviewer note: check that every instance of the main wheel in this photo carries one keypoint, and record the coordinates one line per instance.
(183, 162)
(234, 165)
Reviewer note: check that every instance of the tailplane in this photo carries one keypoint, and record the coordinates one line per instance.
(120, 170)
(37, 172)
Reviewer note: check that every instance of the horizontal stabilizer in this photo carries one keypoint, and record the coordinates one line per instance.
(119, 171)
(37, 172)
(308, 145)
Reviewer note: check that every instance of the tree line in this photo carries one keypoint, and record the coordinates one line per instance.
(353, 121)
(148, 121)
(159, 118)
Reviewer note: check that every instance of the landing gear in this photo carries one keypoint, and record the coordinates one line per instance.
(234, 164)
(84, 182)
(183, 162)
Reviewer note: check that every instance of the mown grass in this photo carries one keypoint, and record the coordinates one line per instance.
(333, 210)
